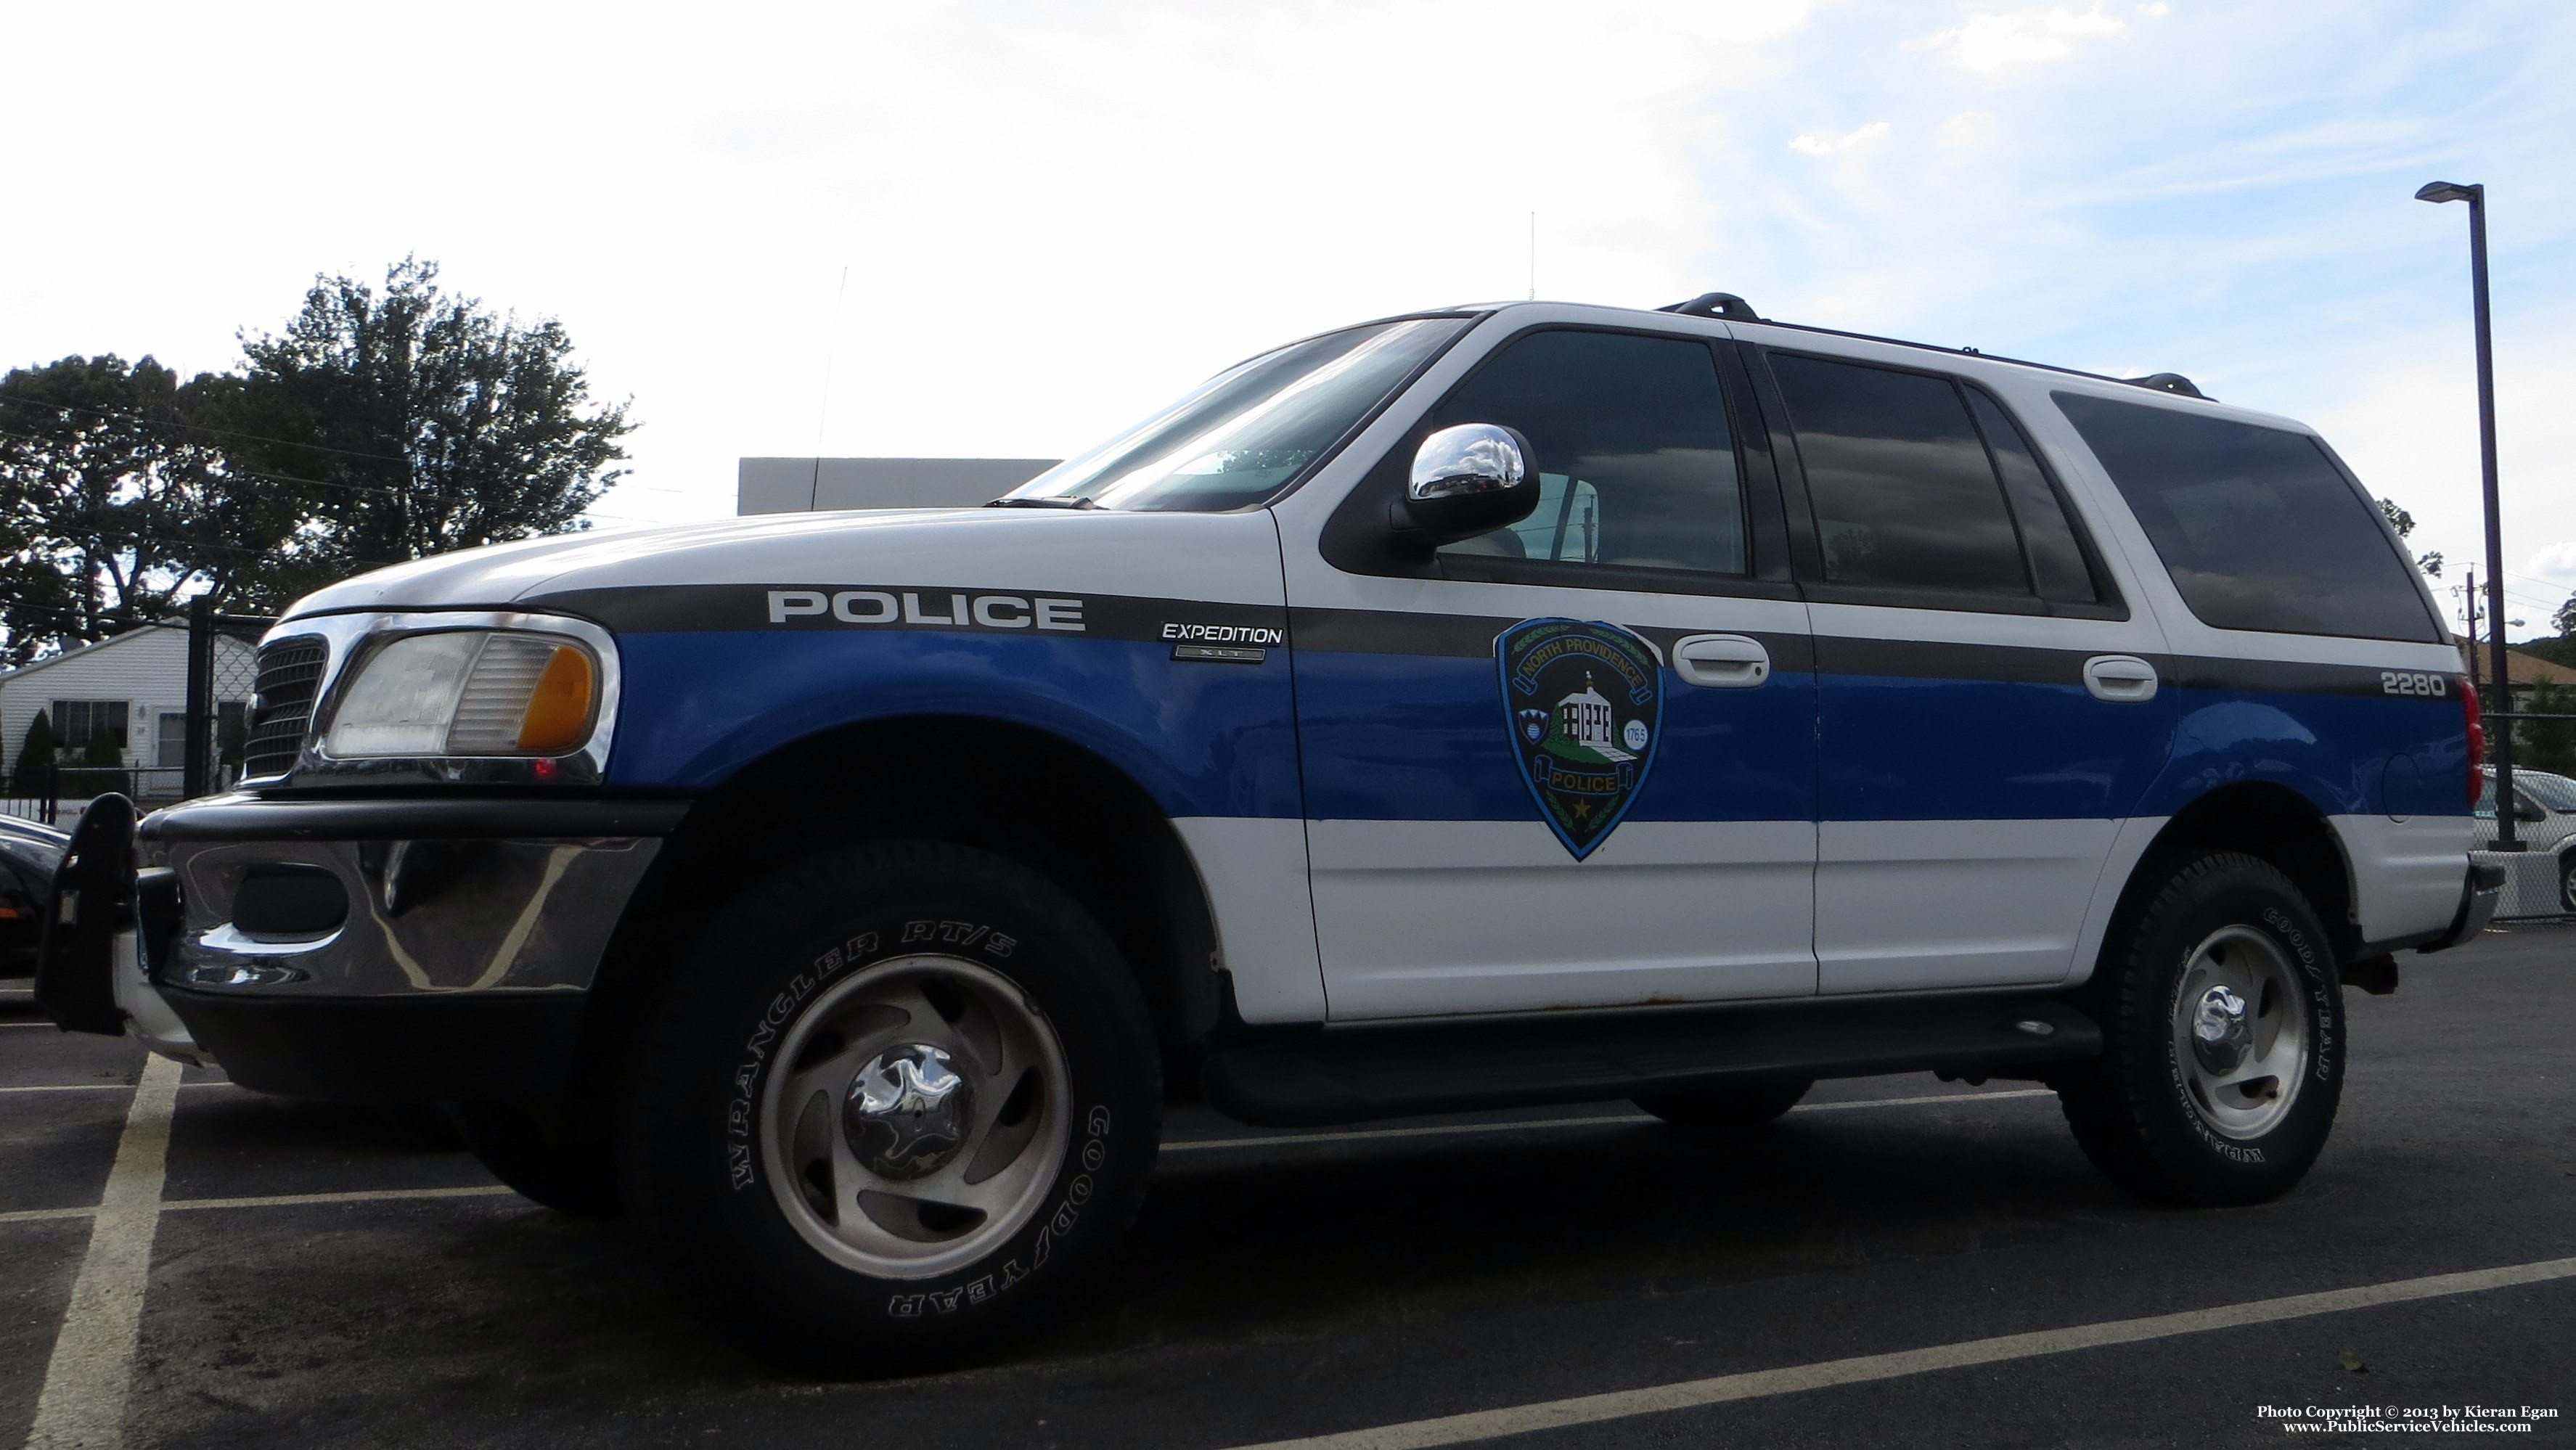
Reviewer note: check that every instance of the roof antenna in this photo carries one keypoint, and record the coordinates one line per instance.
(823, 414)
(1533, 257)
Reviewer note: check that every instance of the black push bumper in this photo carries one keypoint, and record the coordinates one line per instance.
(388, 950)
(389, 1049)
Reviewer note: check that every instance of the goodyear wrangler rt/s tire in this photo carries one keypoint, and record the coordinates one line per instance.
(899, 1103)
(2224, 1053)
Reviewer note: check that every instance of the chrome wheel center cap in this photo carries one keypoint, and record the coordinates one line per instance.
(908, 1113)
(2220, 1035)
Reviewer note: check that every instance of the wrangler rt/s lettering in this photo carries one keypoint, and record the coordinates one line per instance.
(1476, 708)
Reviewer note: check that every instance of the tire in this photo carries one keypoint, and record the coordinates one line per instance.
(523, 1147)
(2567, 882)
(897, 1106)
(1726, 1108)
(2224, 1040)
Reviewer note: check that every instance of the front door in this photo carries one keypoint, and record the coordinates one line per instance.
(1570, 763)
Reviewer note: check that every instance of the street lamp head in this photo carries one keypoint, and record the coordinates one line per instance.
(2450, 191)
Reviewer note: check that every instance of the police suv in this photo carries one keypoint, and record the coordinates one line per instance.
(1490, 706)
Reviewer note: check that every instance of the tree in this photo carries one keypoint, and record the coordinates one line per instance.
(35, 756)
(417, 422)
(115, 502)
(2404, 523)
(2548, 745)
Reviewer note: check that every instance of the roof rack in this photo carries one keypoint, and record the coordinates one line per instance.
(1716, 304)
(2167, 383)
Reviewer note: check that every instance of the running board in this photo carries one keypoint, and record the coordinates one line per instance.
(1354, 1074)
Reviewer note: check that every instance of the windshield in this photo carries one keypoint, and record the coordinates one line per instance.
(1252, 429)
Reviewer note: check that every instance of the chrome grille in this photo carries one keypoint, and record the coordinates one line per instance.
(290, 675)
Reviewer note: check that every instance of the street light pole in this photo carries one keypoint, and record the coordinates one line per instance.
(2507, 838)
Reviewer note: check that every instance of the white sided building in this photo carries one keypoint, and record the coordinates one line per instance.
(133, 687)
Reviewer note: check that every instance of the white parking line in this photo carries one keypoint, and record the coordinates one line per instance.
(97, 1087)
(1359, 1134)
(83, 1401)
(1692, 1394)
(382, 1195)
(274, 1200)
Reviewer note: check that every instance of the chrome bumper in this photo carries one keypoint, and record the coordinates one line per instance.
(435, 916)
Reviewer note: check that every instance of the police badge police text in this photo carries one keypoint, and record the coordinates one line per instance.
(949, 611)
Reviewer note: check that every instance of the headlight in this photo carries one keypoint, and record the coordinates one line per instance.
(468, 693)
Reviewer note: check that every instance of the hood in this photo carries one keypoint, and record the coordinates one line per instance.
(1226, 558)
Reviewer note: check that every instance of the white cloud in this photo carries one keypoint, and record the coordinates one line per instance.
(1819, 143)
(2554, 562)
(1968, 128)
(1990, 44)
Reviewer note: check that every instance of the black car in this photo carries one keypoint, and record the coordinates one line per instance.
(28, 855)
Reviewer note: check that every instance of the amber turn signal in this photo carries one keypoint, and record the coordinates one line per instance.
(558, 713)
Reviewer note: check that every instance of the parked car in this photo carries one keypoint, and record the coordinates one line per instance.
(1487, 706)
(2544, 820)
(28, 854)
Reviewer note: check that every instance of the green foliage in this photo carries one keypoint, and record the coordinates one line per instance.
(2560, 651)
(2548, 745)
(378, 427)
(35, 755)
(2564, 620)
(113, 504)
(423, 423)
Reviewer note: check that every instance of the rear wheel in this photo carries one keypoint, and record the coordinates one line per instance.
(2567, 881)
(2223, 1028)
(1722, 1108)
(899, 1105)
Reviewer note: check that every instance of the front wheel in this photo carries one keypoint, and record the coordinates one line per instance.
(2223, 1040)
(2567, 881)
(900, 1102)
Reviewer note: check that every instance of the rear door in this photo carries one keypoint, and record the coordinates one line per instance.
(1989, 709)
(1570, 763)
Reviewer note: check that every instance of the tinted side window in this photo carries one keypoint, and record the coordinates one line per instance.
(2047, 535)
(1636, 465)
(1902, 490)
(2257, 527)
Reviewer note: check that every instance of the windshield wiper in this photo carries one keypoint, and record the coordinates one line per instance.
(1058, 502)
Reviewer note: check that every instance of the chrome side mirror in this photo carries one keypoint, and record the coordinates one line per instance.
(1466, 480)
(1469, 458)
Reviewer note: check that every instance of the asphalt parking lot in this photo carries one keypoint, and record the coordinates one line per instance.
(1899, 1262)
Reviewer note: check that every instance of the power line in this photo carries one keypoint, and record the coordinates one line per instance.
(35, 405)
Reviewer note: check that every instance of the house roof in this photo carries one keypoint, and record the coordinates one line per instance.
(76, 651)
(2530, 669)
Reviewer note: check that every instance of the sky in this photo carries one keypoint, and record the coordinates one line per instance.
(1006, 229)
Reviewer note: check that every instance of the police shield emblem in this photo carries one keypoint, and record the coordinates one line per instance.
(1584, 703)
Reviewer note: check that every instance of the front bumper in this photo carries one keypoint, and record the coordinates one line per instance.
(444, 951)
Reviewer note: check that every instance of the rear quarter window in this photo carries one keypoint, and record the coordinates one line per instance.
(2258, 527)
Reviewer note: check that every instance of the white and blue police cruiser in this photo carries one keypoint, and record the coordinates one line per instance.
(1497, 705)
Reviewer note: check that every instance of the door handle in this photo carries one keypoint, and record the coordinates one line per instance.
(1721, 661)
(2122, 679)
